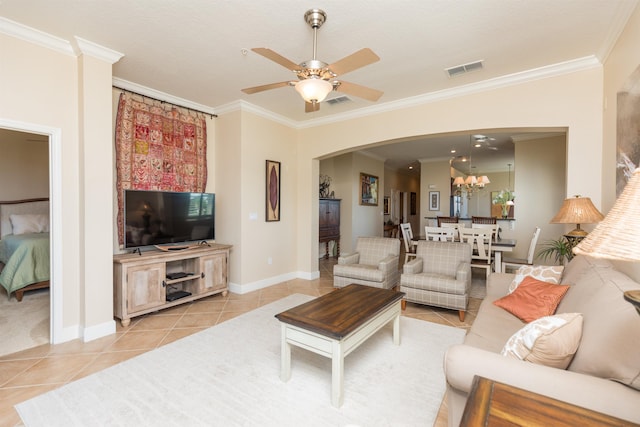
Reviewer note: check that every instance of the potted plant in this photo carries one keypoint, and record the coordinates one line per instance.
(504, 198)
(560, 249)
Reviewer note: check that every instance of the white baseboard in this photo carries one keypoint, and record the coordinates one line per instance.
(98, 331)
(265, 283)
(69, 333)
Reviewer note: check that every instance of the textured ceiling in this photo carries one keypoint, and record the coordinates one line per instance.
(194, 49)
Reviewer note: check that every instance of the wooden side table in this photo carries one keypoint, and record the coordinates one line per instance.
(492, 403)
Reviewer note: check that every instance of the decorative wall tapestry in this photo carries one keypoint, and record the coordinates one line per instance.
(159, 146)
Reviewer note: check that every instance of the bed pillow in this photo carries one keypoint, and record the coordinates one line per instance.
(533, 299)
(546, 273)
(29, 223)
(550, 340)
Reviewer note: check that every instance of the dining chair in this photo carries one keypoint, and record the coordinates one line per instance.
(483, 220)
(439, 234)
(480, 241)
(515, 263)
(492, 227)
(455, 226)
(447, 219)
(407, 237)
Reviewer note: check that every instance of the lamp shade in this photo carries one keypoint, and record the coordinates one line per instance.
(618, 235)
(577, 210)
(458, 181)
(314, 89)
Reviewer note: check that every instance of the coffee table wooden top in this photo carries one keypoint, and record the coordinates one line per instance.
(340, 312)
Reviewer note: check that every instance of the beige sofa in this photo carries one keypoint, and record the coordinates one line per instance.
(604, 374)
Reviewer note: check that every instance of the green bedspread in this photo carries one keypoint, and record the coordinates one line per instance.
(26, 259)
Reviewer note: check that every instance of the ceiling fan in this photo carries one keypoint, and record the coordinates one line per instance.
(315, 78)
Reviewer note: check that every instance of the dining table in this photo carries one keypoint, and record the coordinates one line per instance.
(498, 246)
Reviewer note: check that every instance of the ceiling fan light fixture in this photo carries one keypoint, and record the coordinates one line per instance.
(313, 89)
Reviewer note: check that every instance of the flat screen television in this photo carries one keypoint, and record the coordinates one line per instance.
(165, 217)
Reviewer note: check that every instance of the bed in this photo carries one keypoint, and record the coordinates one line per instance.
(24, 246)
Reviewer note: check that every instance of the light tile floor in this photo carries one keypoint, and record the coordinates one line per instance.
(31, 372)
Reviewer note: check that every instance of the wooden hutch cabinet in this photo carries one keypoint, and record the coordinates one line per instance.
(329, 223)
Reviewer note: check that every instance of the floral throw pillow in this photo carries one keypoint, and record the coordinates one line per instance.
(545, 273)
(550, 340)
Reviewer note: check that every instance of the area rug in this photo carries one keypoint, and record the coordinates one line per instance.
(228, 375)
(23, 324)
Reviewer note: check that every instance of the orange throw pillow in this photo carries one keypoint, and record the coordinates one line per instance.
(533, 299)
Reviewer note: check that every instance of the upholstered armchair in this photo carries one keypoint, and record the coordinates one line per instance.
(374, 263)
(440, 275)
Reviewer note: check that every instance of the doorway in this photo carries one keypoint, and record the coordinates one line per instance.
(54, 136)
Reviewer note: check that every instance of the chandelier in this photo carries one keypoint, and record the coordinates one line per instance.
(472, 183)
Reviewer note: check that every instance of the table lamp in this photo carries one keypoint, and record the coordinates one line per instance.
(617, 237)
(577, 210)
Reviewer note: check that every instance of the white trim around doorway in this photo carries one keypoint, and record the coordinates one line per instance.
(57, 333)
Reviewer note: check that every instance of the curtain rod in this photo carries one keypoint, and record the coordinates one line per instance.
(165, 102)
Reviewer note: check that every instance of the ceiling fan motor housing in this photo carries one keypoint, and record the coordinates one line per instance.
(315, 17)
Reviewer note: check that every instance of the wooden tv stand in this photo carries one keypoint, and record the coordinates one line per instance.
(142, 280)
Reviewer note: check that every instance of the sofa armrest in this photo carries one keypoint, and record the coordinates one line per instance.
(498, 283)
(349, 258)
(412, 267)
(463, 272)
(462, 362)
(389, 263)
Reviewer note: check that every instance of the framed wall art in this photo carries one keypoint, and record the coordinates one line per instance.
(413, 203)
(387, 205)
(272, 207)
(434, 200)
(368, 190)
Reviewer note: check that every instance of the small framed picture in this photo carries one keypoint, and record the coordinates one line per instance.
(434, 200)
(413, 203)
(387, 205)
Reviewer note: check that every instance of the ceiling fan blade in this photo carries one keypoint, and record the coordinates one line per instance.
(276, 57)
(310, 107)
(256, 89)
(359, 91)
(354, 61)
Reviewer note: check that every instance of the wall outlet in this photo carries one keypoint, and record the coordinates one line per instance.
(269, 261)
(253, 216)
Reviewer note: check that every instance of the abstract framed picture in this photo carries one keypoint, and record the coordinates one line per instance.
(368, 190)
(387, 205)
(434, 200)
(272, 207)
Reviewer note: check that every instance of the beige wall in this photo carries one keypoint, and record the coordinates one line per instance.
(25, 164)
(540, 191)
(434, 176)
(42, 87)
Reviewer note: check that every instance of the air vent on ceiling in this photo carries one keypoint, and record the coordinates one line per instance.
(464, 68)
(338, 100)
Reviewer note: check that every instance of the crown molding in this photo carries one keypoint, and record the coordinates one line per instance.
(153, 93)
(241, 105)
(85, 47)
(559, 69)
(22, 32)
